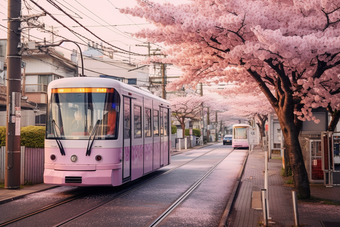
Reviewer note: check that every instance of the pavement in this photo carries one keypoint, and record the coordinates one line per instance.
(318, 211)
(323, 210)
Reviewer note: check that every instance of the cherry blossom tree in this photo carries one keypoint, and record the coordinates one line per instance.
(188, 107)
(316, 93)
(193, 106)
(254, 107)
(277, 45)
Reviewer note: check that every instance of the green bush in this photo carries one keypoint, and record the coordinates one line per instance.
(2, 136)
(31, 136)
(195, 132)
(173, 129)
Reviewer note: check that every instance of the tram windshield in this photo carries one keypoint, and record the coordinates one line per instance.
(240, 133)
(74, 112)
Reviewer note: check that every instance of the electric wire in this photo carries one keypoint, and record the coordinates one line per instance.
(87, 69)
(74, 32)
(64, 26)
(123, 57)
(122, 33)
(88, 30)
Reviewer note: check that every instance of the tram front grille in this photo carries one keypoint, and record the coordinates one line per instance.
(73, 180)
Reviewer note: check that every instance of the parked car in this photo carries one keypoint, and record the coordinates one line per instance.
(227, 139)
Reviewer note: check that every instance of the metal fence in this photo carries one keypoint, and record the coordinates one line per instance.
(31, 165)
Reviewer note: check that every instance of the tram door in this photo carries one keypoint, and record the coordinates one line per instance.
(127, 139)
(164, 135)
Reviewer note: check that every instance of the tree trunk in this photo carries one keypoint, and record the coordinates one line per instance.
(290, 129)
(286, 160)
(183, 128)
(334, 121)
(261, 124)
(284, 105)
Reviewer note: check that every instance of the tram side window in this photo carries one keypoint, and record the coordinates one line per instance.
(138, 122)
(166, 125)
(126, 118)
(155, 123)
(147, 125)
(162, 125)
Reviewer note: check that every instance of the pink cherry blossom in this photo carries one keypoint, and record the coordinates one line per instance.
(289, 49)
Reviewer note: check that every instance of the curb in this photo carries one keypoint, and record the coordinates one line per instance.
(23, 195)
(227, 210)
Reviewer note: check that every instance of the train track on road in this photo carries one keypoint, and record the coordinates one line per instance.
(125, 189)
(131, 187)
(189, 191)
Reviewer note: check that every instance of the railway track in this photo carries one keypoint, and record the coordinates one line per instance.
(125, 191)
(161, 217)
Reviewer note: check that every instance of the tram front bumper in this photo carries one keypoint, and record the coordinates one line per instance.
(74, 177)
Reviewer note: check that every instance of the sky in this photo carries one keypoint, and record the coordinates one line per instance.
(101, 17)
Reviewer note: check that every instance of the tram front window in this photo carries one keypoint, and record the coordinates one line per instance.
(240, 133)
(76, 111)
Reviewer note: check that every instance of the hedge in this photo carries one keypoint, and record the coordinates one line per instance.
(31, 136)
(195, 132)
(173, 129)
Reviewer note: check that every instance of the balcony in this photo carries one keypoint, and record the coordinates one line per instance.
(33, 88)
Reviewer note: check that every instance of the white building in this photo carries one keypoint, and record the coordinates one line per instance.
(41, 67)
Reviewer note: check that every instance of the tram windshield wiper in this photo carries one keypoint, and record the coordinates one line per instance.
(90, 141)
(61, 148)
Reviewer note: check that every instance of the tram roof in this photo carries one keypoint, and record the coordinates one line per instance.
(245, 125)
(98, 82)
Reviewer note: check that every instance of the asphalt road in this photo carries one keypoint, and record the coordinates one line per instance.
(149, 198)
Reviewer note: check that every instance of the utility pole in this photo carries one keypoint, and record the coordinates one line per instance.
(216, 136)
(12, 164)
(163, 67)
(202, 118)
(208, 123)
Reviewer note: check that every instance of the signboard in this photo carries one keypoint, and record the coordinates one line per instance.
(252, 137)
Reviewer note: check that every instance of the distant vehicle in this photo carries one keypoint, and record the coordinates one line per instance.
(103, 132)
(227, 139)
(240, 136)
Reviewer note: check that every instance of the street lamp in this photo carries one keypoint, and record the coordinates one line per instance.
(81, 54)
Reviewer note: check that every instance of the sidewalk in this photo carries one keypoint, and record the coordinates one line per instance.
(12, 194)
(311, 213)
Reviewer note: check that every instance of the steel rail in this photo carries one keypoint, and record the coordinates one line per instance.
(128, 191)
(45, 208)
(120, 194)
(161, 217)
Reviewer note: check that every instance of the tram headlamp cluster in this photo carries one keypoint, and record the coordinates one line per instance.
(74, 158)
(99, 158)
(82, 90)
(53, 157)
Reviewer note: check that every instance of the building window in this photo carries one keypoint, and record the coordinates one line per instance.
(40, 120)
(132, 81)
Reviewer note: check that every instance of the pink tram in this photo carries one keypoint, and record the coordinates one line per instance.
(100, 132)
(240, 136)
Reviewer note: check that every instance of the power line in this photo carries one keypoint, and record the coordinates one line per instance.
(56, 6)
(90, 70)
(54, 18)
(80, 17)
(130, 20)
(106, 22)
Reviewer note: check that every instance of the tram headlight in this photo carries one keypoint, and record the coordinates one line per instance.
(99, 158)
(53, 157)
(74, 158)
